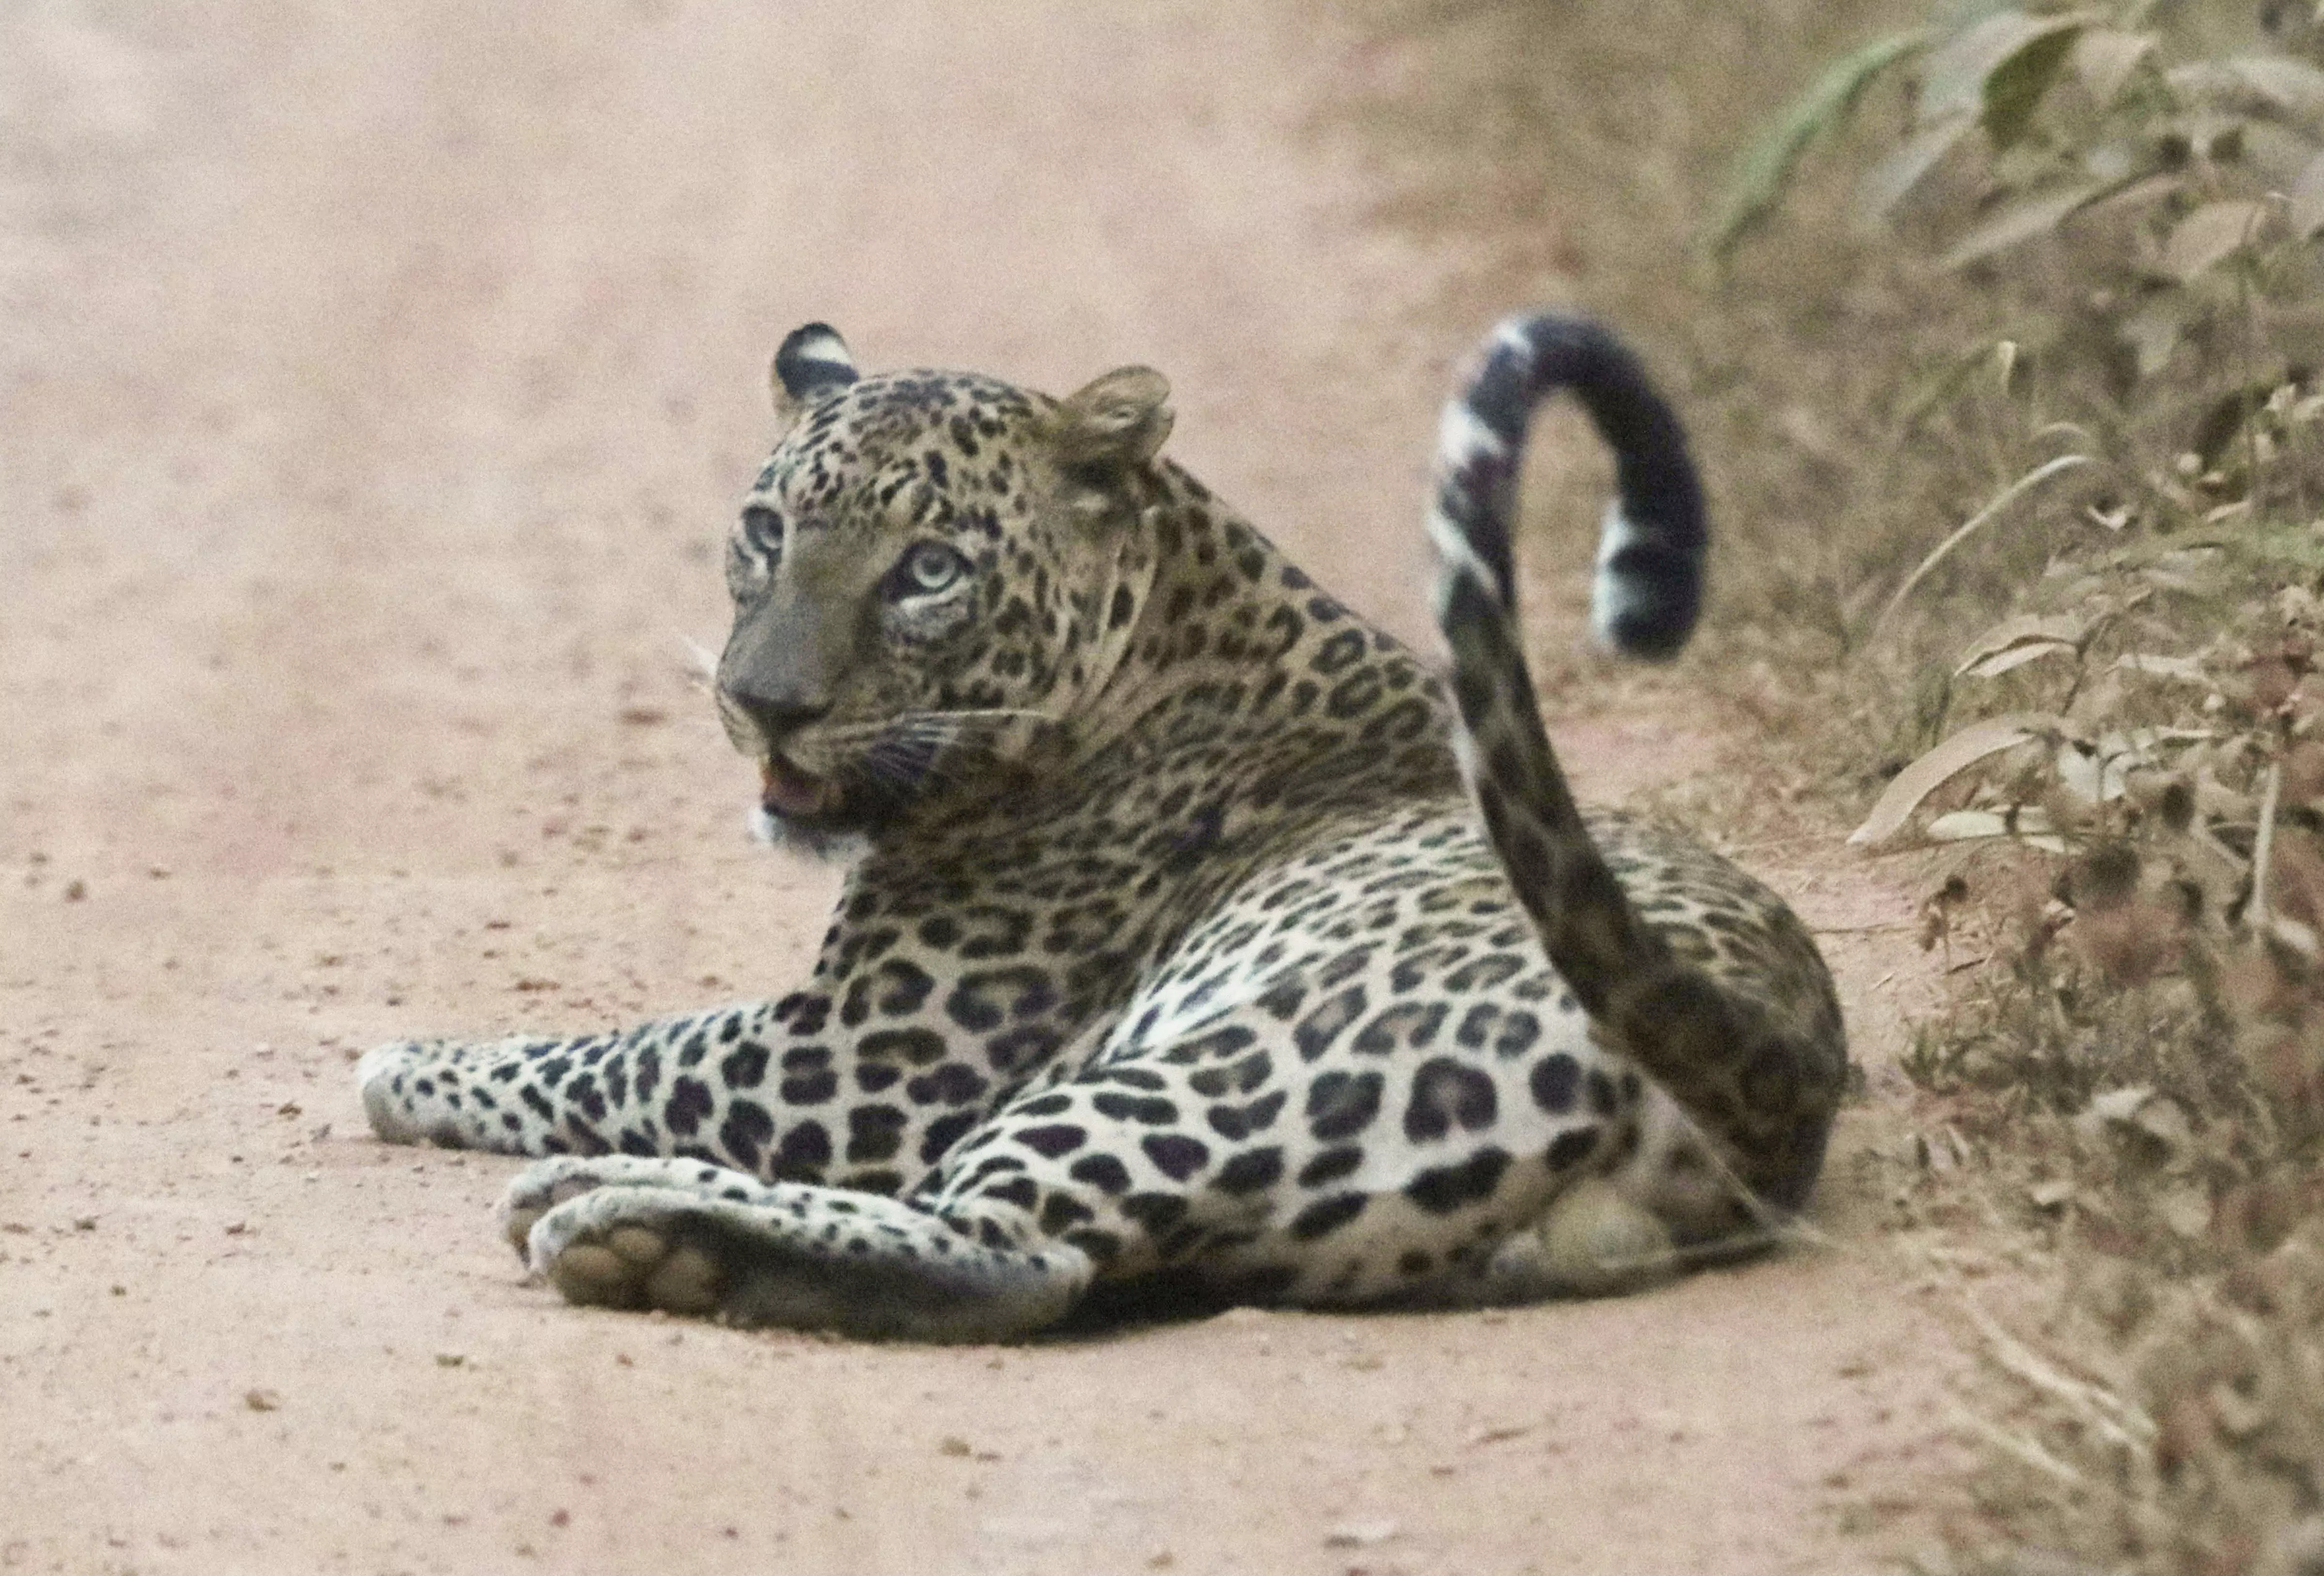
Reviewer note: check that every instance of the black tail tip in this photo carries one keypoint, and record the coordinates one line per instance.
(1646, 639)
(1645, 602)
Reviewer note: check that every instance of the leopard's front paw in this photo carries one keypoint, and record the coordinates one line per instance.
(544, 1185)
(540, 1188)
(619, 1247)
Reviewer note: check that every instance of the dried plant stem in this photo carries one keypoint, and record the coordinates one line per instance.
(2097, 1407)
(2264, 848)
(1976, 522)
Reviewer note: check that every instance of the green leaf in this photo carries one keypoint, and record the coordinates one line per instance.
(2016, 88)
(2036, 216)
(2296, 545)
(1765, 168)
(1960, 74)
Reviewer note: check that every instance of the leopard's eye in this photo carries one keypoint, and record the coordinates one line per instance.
(763, 528)
(754, 548)
(926, 569)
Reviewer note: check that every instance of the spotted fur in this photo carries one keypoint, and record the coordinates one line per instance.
(1761, 1074)
(1176, 949)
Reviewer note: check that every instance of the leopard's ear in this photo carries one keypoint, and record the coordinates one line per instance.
(1117, 422)
(813, 362)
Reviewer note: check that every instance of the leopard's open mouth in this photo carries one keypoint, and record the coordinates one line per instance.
(787, 791)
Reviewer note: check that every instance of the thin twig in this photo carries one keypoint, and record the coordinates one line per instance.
(2023, 1448)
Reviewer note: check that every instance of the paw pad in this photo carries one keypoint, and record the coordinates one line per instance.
(635, 1267)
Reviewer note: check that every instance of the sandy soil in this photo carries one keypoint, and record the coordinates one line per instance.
(377, 381)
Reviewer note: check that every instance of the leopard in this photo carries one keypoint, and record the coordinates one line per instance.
(1196, 934)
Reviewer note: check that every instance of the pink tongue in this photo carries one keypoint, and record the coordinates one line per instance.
(787, 792)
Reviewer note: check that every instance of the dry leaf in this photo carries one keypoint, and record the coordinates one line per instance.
(1495, 1434)
(2095, 774)
(1940, 765)
(2238, 1416)
(2036, 216)
(2185, 668)
(2015, 641)
(2165, 1120)
(2118, 1105)
(2054, 1195)
(2029, 824)
(1896, 175)
(2288, 84)
(2209, 234)
(2113, 1108)
(2016, 656)
(2306, 214)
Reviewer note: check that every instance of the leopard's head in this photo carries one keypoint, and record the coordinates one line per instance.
(932, 569)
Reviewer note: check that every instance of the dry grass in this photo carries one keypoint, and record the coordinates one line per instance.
(1852, 406)
(1606, 134)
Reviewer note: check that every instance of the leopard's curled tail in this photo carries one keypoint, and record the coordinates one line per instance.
(1741, 1071)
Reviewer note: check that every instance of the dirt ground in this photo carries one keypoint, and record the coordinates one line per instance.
(377, 384)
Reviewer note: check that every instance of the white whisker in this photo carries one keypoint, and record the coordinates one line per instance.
(702, 662)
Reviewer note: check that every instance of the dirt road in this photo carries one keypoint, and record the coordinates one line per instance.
(374, 385)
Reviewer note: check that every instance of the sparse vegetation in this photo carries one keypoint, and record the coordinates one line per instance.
(2027, 304)
(2142, 738)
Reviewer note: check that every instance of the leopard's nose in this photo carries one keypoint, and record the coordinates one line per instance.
(779, 714)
